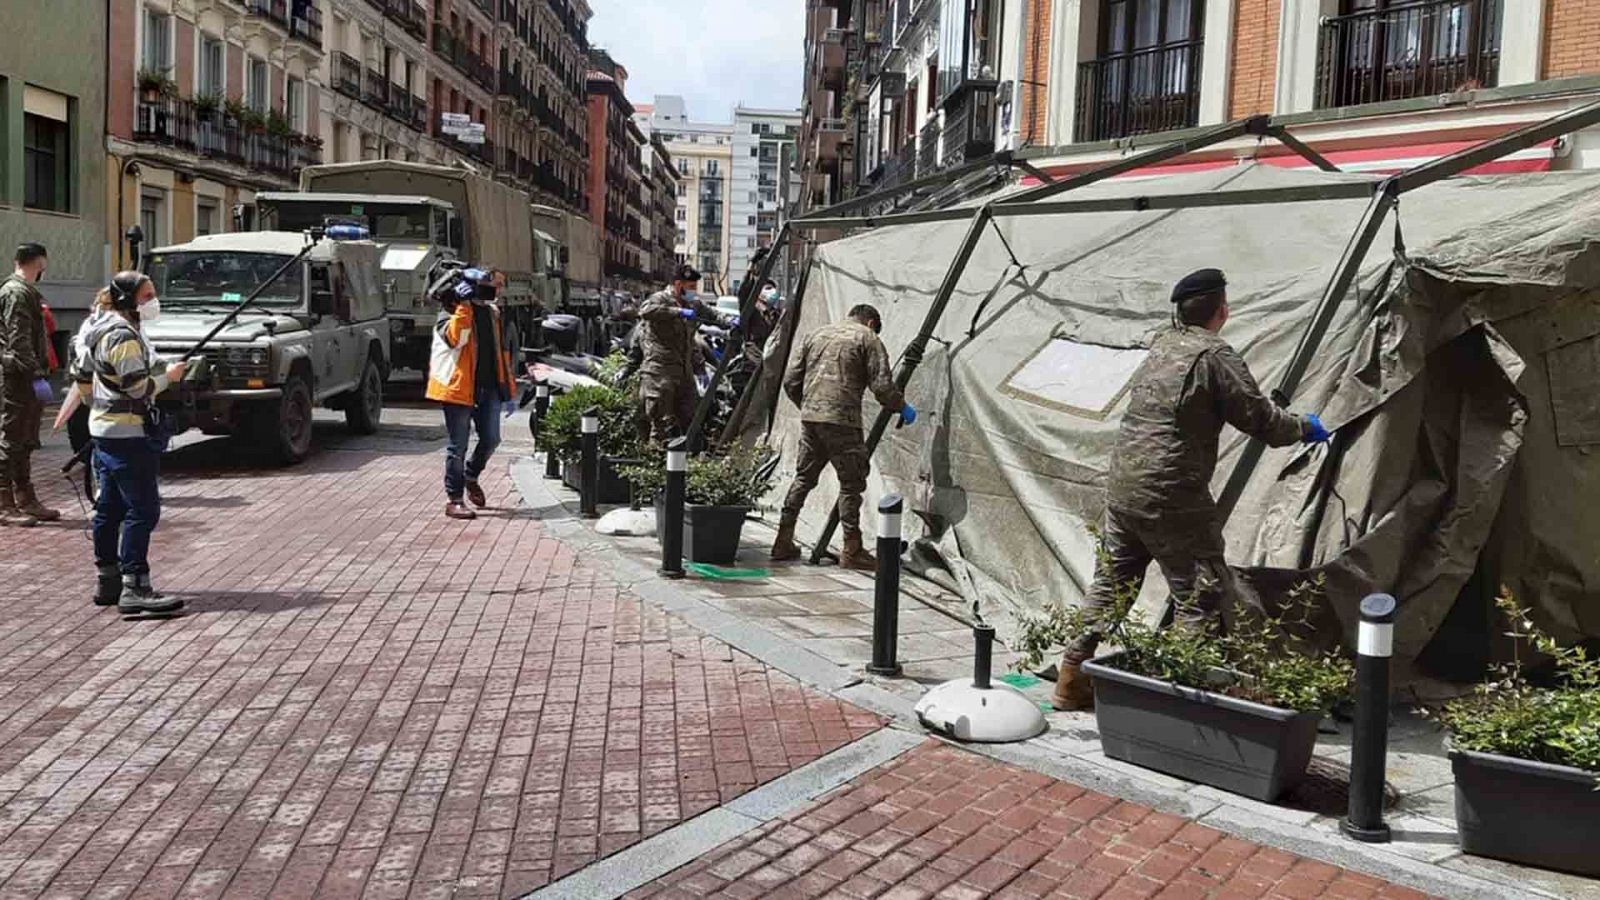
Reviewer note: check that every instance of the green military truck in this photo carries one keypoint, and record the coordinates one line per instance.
(316, 335)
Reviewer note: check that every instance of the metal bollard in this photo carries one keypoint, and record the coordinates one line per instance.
(886, 590)
(541, 408)
(1369, 746)
(983, 655)
(672, 508)
(590, 482)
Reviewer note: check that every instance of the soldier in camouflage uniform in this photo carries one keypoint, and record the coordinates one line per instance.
(1158, 495)
(666, 340)
(836, 364)
(24, 365)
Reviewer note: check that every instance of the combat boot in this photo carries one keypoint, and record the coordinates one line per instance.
(1074, 688)
(855, 555)
(139, 596)
(10, 514)
(28, 503)
(784, 548)
(108, 591)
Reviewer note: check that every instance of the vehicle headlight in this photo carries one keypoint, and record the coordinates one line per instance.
(258, 356)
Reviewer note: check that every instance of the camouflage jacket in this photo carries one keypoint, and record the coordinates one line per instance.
(1187, 388)
(666, 339)
(836, 364)
(23, 351)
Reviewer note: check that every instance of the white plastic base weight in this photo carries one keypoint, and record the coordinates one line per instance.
(634, 522)
(996, 715)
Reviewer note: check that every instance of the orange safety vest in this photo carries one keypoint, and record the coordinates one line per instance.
(454, 361)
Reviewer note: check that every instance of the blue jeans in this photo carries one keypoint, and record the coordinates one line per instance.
(129, 505)
(459, 422)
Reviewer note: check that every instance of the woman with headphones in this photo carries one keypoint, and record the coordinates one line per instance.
(119, 376)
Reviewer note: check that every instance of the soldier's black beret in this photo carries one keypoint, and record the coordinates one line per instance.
(1198, 284)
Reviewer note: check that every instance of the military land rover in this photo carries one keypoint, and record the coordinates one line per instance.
(316, 335)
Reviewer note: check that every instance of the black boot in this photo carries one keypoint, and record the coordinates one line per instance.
(138, 596)
(109, 591)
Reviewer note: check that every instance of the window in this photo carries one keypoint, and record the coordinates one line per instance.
(711, 167)
(205, 216)
(153, 217)
(1085, 380)
(157, 41)
(294, 102)
(1377, 50)
(257, 90)
(1146, 77)
(47, 156)
(211, 79)
(683, 214)
(755, 151)
(750, 220)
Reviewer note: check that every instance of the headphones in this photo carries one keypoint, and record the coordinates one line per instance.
(125, 291)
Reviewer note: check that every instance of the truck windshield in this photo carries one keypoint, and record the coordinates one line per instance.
(218, 277)
(387, 221)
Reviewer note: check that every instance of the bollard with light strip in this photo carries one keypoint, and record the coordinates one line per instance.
(672, 508)
(1369, 745)
(541, 408)
(589, 492)
(886, 591)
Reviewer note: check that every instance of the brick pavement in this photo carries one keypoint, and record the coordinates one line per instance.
(940, 821)
(362, 699)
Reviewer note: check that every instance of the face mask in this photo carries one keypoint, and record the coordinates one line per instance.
(690, 296)
(150, 310)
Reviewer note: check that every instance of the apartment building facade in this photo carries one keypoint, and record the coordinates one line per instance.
(375, 83)
(52, 151)
(616, 181)
(704, 157)
(206, 104)
(762, 140)
(661, 219)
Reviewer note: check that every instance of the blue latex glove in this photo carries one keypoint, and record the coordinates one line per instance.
(42, 390)
(908, 415)
(733, 321)
(1317, 433)
(687, 312)
(508, 408)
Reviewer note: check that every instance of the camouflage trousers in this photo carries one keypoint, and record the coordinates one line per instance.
(21, 414)
(666, 407)
(1189, 550)
(822, 443)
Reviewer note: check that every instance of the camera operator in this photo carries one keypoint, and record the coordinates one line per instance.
(470, 375)
(118, 374)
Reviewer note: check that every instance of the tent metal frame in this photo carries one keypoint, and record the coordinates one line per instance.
(1384, 196)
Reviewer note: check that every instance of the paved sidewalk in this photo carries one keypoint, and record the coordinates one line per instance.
(363, 698)
(943, 822)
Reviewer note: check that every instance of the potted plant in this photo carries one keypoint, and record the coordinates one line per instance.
(206, 106)
(561, 434)
(1236, 711)
(719, 491)
(154, 84)
(277, 124)
(1526, 757)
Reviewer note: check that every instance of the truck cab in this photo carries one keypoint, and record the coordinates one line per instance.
(413, 234)
(316, 335)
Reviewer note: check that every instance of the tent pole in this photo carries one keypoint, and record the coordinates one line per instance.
(1311, 339)
(1491, 150)
(913, 354)
(1301, 148)
(735, 342)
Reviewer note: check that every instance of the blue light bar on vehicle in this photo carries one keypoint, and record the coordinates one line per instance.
(347, 233)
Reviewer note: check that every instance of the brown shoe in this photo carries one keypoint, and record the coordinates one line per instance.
(1074, 689)
(476, 495)
(455, 509)
(784, 548)
(855, 555)
(10, 515)
(28, 503)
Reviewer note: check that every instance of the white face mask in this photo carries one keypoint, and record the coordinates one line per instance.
(150, 310)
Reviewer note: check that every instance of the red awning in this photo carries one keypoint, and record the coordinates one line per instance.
(1377, 161)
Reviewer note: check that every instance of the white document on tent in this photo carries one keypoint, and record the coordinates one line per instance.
(1083, 379)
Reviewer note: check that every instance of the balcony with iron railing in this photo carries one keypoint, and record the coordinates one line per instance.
(346, 74)
(305, 24)
(1141, 92)
(375, 90)
(211, 133)
(271, 10)
(409, 15)
(419, 114)
(1407, 50)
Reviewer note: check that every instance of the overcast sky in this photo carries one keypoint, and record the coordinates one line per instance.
(715, 53)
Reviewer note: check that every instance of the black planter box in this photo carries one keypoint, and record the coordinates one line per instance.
(710, 533)
(614, 489)
(1248, 748)
(1527, 812)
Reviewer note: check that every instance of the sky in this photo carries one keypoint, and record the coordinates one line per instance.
(714, 53)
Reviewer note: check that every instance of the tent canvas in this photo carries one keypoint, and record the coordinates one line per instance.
(1456, 373)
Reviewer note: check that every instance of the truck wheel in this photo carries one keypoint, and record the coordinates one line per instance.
(291, 428)
(363, 408)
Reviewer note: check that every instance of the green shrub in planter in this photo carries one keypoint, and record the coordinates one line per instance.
(739, 477)
(561, 432)
(1527, 757)
(1237, 711)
